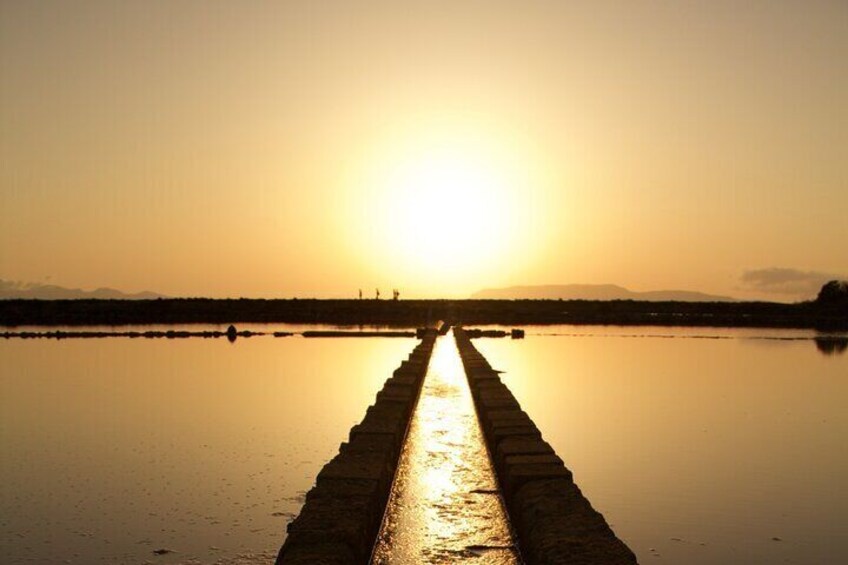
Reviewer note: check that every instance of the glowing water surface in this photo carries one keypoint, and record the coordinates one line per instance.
(114, 448)
(699, 445)
(696, 450)
(445, 507)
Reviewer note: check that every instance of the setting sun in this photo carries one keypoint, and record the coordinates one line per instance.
(446, 208)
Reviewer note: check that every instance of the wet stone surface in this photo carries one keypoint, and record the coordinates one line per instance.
(445, 506)
(342, 513)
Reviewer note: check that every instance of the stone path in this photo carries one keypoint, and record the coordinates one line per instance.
(445, 506)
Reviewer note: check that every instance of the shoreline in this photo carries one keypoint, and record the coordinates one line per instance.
(414, 313)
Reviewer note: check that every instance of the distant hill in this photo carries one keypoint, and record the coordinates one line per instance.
(595, 292)
(15, 289)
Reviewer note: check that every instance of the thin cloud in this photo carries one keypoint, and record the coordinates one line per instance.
(779, 280)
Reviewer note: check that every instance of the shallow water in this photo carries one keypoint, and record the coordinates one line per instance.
(731, 449)
(698, 445)
(114, 448)
(445, 507)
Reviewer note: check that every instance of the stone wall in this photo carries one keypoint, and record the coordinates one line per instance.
(341, 516)
(554, 522)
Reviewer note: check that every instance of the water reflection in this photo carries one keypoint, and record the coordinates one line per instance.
(827, 344)
(832, 345)
(113, 449)
(700, 451)
(445, 507)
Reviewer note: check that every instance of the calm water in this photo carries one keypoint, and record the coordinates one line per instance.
(699, 446)
(114, 448)
(445, 507)
(696, 450)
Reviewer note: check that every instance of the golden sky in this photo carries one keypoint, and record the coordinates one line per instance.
(313, 148)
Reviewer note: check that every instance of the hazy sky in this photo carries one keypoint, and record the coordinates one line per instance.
(314, 148)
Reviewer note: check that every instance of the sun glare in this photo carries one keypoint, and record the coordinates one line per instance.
(444, 204)
(443, 209)
(448, 211)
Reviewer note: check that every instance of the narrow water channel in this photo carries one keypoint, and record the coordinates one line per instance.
(445, 506)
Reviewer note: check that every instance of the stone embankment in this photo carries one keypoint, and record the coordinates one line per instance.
(149, 334)
(341, 517)
(343, 333)
(554, 522)
(514, 333)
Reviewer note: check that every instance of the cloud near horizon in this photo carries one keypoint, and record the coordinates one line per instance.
(786, 281)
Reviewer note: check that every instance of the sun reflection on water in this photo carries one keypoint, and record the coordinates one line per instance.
(444, 506)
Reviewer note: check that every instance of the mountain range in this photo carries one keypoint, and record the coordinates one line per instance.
(594, 292)
(16, 289)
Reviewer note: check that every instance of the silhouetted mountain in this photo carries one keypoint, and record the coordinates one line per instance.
(595, 292)
(15, 289)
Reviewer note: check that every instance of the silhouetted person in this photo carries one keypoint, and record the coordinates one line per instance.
(360, 294)
(378, 294)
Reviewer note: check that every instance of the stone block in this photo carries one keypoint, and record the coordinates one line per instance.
(356, 466)
(409, 380)
(517, 418)
(400, 388)
(381, 424)
(381, 444)
(350, 521)
(547, 458)
(489, 385)
(404, 404)
(489, 402)
(520, 446)
(401, 396)
(556, 524)
(524, 431)
(479, 378)
(515, 475)
(324, 553)
(508, 413)
(346, 488)
(364, 442)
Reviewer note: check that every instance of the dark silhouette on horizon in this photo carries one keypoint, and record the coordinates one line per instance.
(833, 293)
(831, 345)
(593, 292)
(413, 313)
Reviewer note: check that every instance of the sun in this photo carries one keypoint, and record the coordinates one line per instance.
(445, 210)
(449, 211)
(443, 213)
